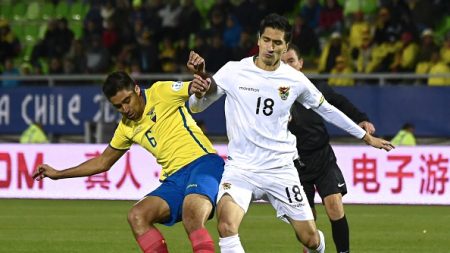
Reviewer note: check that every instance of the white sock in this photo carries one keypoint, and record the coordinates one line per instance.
(321, 247)
(231, 244)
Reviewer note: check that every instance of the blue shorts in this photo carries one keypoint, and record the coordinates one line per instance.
(202, 176)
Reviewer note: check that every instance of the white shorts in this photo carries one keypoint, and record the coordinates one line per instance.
(280, 186)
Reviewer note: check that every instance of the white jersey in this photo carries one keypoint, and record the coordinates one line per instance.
(257, 109)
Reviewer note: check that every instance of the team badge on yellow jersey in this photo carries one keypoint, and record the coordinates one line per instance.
(152, 114)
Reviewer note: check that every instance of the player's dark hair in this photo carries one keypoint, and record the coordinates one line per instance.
(295, 48)
(117, 81)
(278, 22)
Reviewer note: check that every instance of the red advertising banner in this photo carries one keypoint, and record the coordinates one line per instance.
(413, 175)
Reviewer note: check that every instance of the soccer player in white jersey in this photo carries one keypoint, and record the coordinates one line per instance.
(259, 93)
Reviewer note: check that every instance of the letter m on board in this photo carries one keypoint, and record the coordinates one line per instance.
(25, 174)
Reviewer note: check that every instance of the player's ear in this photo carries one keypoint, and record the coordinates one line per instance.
(286, 48)
(137, 89)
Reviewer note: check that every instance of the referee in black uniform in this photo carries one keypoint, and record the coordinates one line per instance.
(317, 166)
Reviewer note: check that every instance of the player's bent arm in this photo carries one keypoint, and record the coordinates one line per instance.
(197, 104)
(90, 167)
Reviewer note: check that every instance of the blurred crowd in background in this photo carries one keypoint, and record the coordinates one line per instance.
(155, 36)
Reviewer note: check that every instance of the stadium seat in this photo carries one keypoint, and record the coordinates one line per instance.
(62, 10)
(367, 6)
(42, 30)
(78, 11)
(77, 28)
(18, 31)
(6, 12)
(19, 11)
(26, 52)
(443, 27)
(33, 11)
(48, 11)
(30, 33)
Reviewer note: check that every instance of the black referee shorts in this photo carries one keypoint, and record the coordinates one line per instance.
(318, 170)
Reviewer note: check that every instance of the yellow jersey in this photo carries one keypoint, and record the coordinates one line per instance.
(166, 129)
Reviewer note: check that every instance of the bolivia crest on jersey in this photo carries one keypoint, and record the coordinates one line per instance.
(226, 186)
(283, 92)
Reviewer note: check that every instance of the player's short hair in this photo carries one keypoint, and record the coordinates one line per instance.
(277, 22)
(295, 48)
(117, 81)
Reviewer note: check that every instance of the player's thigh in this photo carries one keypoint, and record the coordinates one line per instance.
(171, 191)
(229, 216)
(150, 209)
(196, 209)
(234, 197)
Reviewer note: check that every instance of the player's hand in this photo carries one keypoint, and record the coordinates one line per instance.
(199, 86)
(196, 64)
(44, 170)
(369, 127)
(378, 142)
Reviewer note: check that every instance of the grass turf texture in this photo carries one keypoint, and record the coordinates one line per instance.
(100, 226)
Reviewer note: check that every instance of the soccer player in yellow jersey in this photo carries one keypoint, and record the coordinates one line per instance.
(158, 120)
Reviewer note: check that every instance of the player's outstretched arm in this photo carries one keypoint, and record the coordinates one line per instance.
(339, 119)
(347, 107)
(90, 167)
(378, 142)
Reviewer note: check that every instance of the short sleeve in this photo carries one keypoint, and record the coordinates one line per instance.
(173, 91)
(119, 140)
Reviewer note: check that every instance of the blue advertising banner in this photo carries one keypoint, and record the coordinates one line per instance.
(60, 110)
(388, 107)
(63, 110)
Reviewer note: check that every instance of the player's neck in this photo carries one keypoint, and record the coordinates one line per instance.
(142, 102)
(264, 66)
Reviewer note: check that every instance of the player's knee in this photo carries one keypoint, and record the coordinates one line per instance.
(311, 240)
(226, 228)
(335, 211)
(136, 217)
(193, 221)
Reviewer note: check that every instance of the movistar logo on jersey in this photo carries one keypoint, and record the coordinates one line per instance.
(283, 92)
(248, 89)
(191, 186)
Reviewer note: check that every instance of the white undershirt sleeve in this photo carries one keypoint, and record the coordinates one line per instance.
(200, 104)
(339, 119)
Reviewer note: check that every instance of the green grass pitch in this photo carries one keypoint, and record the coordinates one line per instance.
(56, 226)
